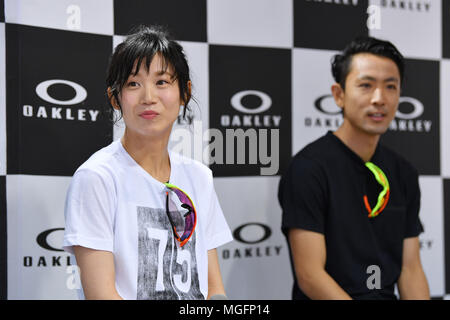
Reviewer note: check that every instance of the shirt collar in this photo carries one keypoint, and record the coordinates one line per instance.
(352, 155)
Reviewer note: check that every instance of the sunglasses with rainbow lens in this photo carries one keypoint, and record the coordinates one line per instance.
(383, 197)
(185, 221)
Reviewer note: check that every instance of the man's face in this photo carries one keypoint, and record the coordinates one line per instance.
(371, 95)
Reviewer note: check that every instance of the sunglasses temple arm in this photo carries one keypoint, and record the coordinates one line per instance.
(168, 215)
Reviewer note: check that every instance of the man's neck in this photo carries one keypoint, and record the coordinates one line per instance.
(361, 143)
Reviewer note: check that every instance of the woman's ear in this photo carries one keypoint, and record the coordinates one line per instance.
(112, 99)
(188, 92)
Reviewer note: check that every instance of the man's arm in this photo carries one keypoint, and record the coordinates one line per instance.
(97, 273)
(412, 283)
(215, 285)
(309, 256)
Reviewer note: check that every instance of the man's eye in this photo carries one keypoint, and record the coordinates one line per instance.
(364, 85)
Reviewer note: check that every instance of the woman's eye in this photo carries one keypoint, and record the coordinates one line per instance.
(132, 84)
(162, 82)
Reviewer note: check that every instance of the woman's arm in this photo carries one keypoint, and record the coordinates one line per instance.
(97, 273)
(215, 284)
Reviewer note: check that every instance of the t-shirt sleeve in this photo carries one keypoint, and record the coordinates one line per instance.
(217, 230)
(89, 212)
(413, 225)
(302, 196)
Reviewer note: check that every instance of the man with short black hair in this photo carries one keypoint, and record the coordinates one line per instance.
(350, 205)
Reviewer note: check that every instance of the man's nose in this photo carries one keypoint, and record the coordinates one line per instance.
(378, 97)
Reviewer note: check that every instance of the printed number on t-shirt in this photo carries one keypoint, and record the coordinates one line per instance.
(183, 257)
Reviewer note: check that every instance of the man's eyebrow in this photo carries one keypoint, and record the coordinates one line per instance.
(370, 78)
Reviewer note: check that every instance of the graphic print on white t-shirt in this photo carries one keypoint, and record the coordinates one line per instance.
(165, 270)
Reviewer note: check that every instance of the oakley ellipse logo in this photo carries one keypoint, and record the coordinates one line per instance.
(236, 101)
(417, 111)
(326, 104)
(266, 233)
(43, 242)
(42, 92)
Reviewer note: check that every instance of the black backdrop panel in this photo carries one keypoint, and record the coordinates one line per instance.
(265, 74)
(446, 28)
(47, 133)
(418, 118)
(179, 15)
(328, 24)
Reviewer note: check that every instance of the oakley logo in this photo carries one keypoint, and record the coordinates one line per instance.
(326, 104)
(42, 92)
(417, 111)
(239, 234)
(42, 239)
(420, 6)
(236, 101)
(341, 2)
(252, 233)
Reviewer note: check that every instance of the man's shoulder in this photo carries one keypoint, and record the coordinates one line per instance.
(314, 158)
(321, 149)
(399, 161)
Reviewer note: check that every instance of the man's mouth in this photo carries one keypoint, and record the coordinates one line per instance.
(377, 116)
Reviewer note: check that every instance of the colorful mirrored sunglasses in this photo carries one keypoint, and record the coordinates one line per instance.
(383, 197)
(190, 217)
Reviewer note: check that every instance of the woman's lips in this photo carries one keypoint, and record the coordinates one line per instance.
(149, 115)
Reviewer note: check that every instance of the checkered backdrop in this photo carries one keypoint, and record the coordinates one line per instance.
(261, 66)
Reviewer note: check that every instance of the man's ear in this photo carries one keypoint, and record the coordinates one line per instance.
(112, 99)
(338, 94)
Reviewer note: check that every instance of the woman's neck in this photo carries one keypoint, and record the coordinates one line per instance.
(150, 154)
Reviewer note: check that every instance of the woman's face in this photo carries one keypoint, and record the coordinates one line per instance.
(150, 100)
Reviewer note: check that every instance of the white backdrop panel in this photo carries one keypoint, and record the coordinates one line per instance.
(416, 32)
(445, 118)
(188, 134)
(266, 274)
(35, 272)
(312, 79)
(432, 239)
(264, 23)
(76, 15)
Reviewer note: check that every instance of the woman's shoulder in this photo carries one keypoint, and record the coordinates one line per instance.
(191, 166)
(103, 161)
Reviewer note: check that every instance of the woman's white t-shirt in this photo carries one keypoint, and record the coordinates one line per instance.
(113, 204)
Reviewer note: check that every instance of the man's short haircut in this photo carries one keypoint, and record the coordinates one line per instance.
(340, 64)
(142, 45)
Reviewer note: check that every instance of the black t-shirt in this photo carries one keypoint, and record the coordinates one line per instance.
(323, 191)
